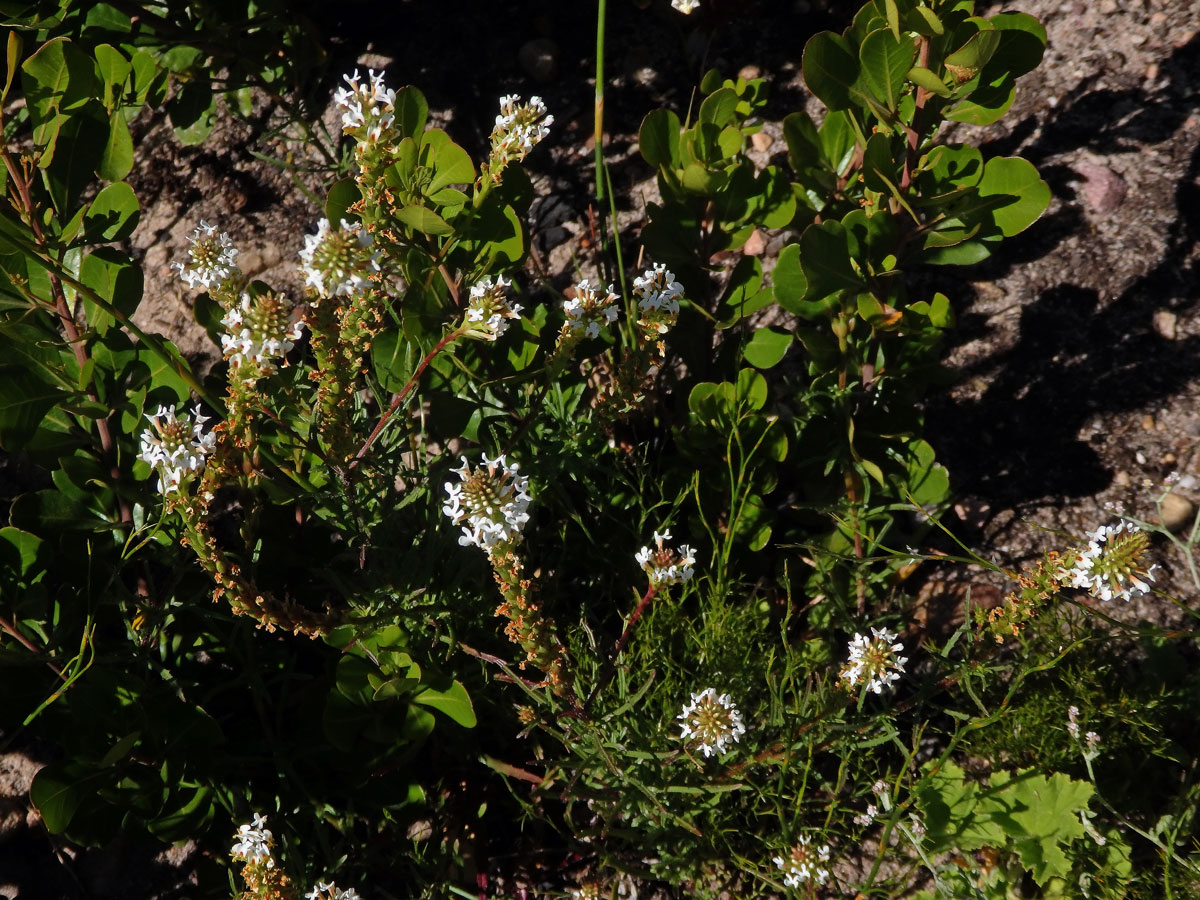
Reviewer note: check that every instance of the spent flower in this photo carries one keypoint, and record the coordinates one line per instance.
(175, 447)
(1112, 566)
(664, 566)
(805, 862)
(212, 258)
(712, 721)
(259, 330)
(339, 260)
(254, 842)
(875, 661)
(488, 311)
(493, 500)
(657, 294)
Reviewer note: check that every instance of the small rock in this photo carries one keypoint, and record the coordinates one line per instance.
(1169, 459)
(1147, 422)
(1108, 7)
(1165, 323)
(1176, 512)
(749, 72)
(761, 141)
(1152, 72)
(539, 58)
(1122, 479)
(1103, 189)
(755, 244)
(1158, 18)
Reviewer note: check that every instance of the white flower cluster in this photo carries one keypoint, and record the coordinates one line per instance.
(327, 890)
(657, 294)
(254, 843)
(488, 311)
(368, 110)
(805, 862)
(212, 258)
(259, 330)
(664, 566)
(1112, 557)
(493, 499)
(339, 260)
(176, 448)
(874, 660)
(588, 312)
(519, 128)
(686, 6)
(712, 721)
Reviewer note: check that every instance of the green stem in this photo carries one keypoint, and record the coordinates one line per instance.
(598, 134)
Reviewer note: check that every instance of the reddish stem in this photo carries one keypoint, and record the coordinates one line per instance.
(398, 398)
(633, 620)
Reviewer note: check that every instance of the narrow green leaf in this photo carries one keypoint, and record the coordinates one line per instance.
(114, 69)
(116, 161)
(925, 78)
(930, 24)
(14, 59)
(885, 60)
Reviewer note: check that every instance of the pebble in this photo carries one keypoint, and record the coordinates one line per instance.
(761, 141)
(1147, 422)
(1103, 189)
(539, 58)
(1122, 479)
(749, 72)
(755, 244)
(1166, 324)
(1176, 512)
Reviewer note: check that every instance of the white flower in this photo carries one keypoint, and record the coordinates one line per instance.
(712, 721)
(1073, 721)
(868, 817)
(804, 863)
(874, 661)
(339, 260)
(254, 842)
(686, 6)
(170, 450)
(259, 330)
(664, 566)
(587, 312)
(212, 258)
(488, 311)
(368, 110)
(657, 294)
(327, 890)
(493, 499)
(519, 128)
(1112, 558)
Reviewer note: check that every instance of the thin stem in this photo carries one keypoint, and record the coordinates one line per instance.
(633, 620)
(398, 397)
(598, 133)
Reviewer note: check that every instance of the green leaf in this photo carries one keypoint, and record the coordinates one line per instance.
(116, 161)
(390, 360)
(975, 53)
(85, 133)
(46, 512)
(767, 347)
(454, 703)
(24, 401)
(878, 168)
(114, 68)
(342, 195)
(424, 220)
(14, 59)
(751, 389)
(113, 215)
(924, 78)
(1018, 179)
(788, 277)
(658, 138)
(183, 821)
(57, 792)
(719, 108)
(929, 24)
(20, 550)
(1022, 42)
(831, 69)
(452, 164)
(56, 79)
(825, 261)
(886, 59)
(117, 279)
(412, 111)
(192, 112)
(928, 481)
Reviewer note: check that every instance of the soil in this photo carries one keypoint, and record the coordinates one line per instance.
(1076, 358)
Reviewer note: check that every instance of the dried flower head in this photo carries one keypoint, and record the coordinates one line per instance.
(254, 842)
(339, 260)
(876, 660)
(211, 258)
(176, 447)
(258, 331)
(588, 311)
(711, 721)
(657, 294)
(368, 110)
(804, 863)
(664, 566)
(1113, 565)
(488, 311)
(519, 128)
(493, 499)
